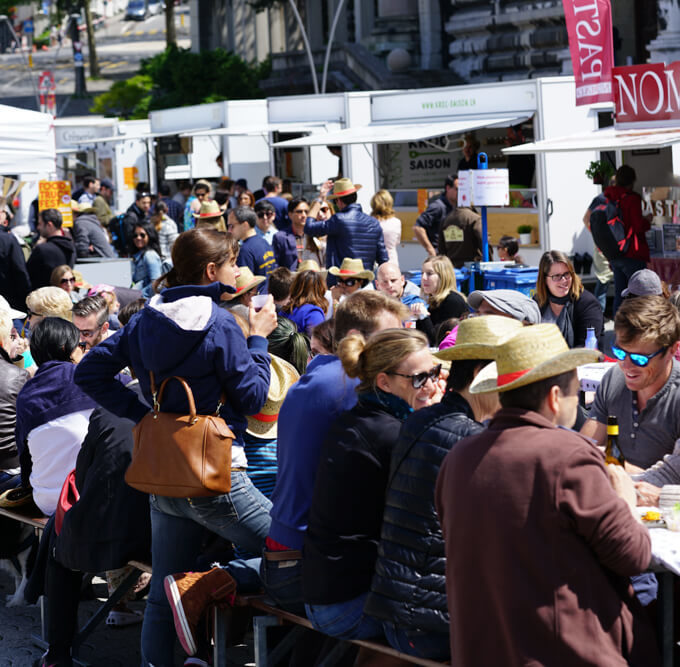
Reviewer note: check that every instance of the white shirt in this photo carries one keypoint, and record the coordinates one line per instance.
(54, 448)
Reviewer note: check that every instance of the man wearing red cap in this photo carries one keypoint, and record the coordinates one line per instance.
(351, 233)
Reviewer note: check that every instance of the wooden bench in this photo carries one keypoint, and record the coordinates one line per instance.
(274, 616)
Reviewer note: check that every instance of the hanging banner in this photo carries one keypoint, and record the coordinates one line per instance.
(56, 194)
(589, 27)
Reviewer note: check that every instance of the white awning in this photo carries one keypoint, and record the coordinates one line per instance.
(607, 139)
(394, 133)
(133, 137)
(264, 129)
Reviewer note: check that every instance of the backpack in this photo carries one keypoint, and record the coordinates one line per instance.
(607, 227)
(117, 230)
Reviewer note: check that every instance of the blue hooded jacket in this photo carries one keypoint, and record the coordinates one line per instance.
(182, 332)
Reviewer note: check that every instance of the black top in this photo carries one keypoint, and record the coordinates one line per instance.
(347, 505)
(577, 317)
(454, 305)
(14, 282)
(47, 256)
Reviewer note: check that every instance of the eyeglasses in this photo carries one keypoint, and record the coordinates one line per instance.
(349, 282)
(637, 359)
(68, 280)
(139, 236)
(559, 277)
(89, 333)
(420, 379)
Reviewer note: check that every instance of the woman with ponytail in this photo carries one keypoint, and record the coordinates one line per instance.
(397, 375)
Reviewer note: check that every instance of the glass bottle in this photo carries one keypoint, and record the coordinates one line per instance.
(612, 453)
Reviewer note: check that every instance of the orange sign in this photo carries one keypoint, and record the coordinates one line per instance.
(56, 194)
(130, 177)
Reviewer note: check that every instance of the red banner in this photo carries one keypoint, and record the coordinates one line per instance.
(589, 26)
(647, 94)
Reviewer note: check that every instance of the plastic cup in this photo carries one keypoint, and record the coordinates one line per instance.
(259, 301)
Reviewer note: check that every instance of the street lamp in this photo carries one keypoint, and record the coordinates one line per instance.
(78, 62)
(5, 19)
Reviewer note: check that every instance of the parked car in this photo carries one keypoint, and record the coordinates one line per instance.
(156, 7)
(136, 10)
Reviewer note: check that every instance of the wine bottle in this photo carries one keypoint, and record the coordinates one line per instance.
(612, 453)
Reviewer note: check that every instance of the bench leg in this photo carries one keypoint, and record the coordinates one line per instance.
(335, 654)
(220, 623)
(104, 610)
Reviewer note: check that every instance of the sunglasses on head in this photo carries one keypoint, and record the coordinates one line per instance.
(350, 282)
(637, 359)
(419, 379)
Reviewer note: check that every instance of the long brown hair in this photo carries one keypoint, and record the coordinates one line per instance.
(307, 287)
(192, 251)
(443, 267)
(547, 260)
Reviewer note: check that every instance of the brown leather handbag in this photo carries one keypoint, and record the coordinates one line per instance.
(181, 456)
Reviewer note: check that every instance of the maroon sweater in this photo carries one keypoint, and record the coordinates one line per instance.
(539, 549)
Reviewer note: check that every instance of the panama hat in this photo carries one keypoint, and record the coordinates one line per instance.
(343, 187)
(283, 377)
(244, 282)
(311, 265)
(479, 337)
(534, 353)
(351, 268)
(209, 209)
(13, 312)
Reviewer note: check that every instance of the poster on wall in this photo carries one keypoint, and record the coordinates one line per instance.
(419, 164)
(56, 194)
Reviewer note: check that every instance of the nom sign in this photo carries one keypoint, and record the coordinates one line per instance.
(645, 94)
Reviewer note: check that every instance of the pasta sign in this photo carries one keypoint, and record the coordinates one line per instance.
(589, 26)
(647, 94)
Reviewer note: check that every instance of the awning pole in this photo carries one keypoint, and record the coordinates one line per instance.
(483, 163)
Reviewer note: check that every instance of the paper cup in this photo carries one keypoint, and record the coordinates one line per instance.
(259, 301)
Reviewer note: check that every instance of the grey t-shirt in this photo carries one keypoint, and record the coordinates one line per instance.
(645, 436)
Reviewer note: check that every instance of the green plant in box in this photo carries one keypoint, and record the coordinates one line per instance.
(600, 171)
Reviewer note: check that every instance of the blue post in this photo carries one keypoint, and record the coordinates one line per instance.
(483, 163)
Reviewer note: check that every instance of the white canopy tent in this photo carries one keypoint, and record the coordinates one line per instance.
(403, 131)
(27, 143)
(606, 139)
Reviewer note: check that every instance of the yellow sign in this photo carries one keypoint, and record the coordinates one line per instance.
(56, 194)
(130, 177)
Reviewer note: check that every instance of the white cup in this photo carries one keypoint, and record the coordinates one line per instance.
(259, 301)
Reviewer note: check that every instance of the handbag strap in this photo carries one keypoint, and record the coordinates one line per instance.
(157, 395)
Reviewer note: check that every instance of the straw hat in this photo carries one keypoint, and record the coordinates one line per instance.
(351, 268)
(244, 282)
(209, 209)
(479, 337)
(343, 187)
(534, 353)
(308, 265)
(283, 377)
(84, 207)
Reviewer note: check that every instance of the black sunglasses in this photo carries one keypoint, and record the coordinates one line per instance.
(139, 236)
(419, 379)
(67, 280)
(264, 214)
(82, 345)
(350, 282)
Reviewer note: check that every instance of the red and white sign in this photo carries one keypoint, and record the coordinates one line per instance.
(645, 94)
(589, 26)
(46, 87)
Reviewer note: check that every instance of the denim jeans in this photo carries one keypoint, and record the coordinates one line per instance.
(177, 528)
(623, 269)
(283, 582)
(427, 645)
(345, 620)
(600, 293)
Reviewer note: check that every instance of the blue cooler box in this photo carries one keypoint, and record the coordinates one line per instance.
(522, 280)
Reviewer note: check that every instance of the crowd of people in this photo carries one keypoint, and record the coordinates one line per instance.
(409, 464)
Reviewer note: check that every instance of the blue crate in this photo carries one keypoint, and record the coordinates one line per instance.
(522, 280)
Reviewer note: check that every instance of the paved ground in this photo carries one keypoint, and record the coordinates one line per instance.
(106, 647)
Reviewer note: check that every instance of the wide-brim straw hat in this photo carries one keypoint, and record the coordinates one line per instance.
(343, 187)
(283, 377)
(246, 281)
(479, 337)
(534, 353)
(310, 265)
(209, 209)
(351, 268)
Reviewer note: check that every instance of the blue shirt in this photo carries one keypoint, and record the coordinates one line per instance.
(310, 408)
(258, 256)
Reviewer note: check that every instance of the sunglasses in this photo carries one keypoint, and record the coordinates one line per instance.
(139, 236)
(350, 282)
(67, 280)
(637, 359)
(324, 209)
(419, 379)
(82, 345)
(264, 214)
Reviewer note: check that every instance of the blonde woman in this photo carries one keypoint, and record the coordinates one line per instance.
(48, 302)
(439, 290)
(397, 375)
(382, 209)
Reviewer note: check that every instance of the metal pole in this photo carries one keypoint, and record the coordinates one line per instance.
(78, 62)
(3, 17)
(327, 57)
(483, 163)
(308, 49)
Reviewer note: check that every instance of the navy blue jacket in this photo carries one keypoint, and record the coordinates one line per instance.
(201, 343)
(14, 281)
(285, 248)
(351, 233)
(409, 585)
